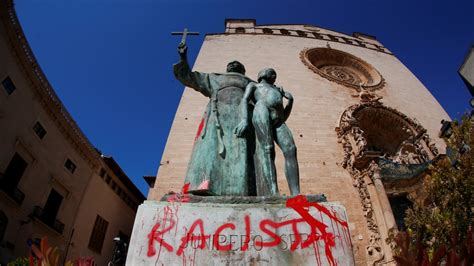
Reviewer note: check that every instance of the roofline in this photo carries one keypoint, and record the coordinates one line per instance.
(383, 50)
(365, 35)
(115, 167)
(239, 19)
(301, 24)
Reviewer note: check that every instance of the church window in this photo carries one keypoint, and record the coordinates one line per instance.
(8, 85)
(39, 130)
(342, 67)
(99, 231)
(267, 31)
(240, 30)
(70, 166)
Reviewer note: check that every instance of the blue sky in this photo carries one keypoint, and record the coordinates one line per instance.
(110, 60)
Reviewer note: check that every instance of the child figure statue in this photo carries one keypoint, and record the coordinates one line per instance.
(268, 120)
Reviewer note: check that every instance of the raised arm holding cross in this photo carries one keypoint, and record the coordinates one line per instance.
(182, 48)
(220, 162)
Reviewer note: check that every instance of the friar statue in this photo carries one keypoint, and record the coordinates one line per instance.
(219, 163)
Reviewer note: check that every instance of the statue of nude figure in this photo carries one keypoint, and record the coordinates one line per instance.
(268, 119)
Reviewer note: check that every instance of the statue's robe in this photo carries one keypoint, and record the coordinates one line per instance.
(220, 163)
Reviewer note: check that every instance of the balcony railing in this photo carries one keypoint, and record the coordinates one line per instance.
(14, 193)
(46, 219)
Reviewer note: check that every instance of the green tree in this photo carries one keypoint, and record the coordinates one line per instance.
(445, 212)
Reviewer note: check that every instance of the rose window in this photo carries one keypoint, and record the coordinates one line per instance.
(342, 67)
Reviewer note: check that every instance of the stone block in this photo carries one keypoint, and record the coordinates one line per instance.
(170, 233)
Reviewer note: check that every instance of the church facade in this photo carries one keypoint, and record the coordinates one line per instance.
(365, 127)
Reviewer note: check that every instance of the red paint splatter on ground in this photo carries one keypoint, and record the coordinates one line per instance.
(200, 127)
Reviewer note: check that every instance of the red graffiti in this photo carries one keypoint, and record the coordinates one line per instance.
(301, 205)
(190, 237)
(200, 127)
(155, 235)
(276, 238)
(245, 246)
(221, 238)
(182, 196)
(217, 234)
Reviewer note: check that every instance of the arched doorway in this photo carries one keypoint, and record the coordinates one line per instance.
(383, 148)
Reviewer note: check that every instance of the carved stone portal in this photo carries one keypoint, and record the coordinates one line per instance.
(371, 132)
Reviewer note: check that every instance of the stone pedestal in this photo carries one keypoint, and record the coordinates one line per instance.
(295, 232)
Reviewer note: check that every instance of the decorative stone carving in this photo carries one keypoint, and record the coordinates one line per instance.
(369, 131)
(355, 124)
(366, 96)
(374, 248)
(342, 73)
(343, 68)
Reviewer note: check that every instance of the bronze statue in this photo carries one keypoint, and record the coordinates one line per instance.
(268, 119)
(220, 163)
(223, 164)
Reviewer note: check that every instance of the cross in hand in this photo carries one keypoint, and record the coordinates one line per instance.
(185, 33)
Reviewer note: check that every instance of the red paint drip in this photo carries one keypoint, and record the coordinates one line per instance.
(190, 237)
(316, 253)
(276, 238)
(181, 196)
(155, 235)
(245, 246)
(200, 127)
(295, 244)
(216, 243)
(301, 205)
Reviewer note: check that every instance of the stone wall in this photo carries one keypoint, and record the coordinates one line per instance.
(319, 103)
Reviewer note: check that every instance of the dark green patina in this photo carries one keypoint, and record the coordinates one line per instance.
(393, 172)
(220, 162)
(234, 152)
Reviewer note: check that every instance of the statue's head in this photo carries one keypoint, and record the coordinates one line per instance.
(236, 66)
(268, 74)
